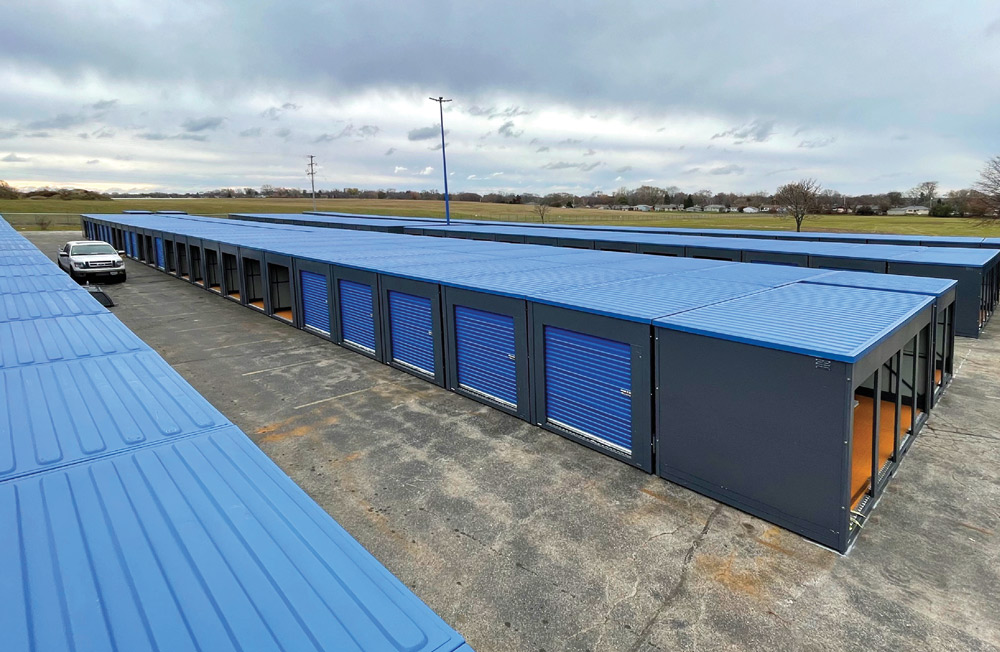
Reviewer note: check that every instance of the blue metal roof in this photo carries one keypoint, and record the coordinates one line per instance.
(838, 323)
(894, 282)
(135, 516)
(644, 299)
(591, 281)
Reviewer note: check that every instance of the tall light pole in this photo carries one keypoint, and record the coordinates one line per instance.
(444, 159)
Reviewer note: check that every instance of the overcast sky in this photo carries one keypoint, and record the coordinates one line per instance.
(548, 96)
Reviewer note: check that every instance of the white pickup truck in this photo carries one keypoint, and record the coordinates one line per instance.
(90, 258)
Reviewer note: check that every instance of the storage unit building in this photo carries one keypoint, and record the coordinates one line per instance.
(134, 515)
(733, 380)
(976, 270)
(569, 339)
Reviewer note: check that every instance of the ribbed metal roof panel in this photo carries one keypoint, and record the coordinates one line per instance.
(839, 323)
(65, 412)
(34, 284)
(202, 544)
(61, 303)
(649, 297)
(950, 256)
(64, 338)
(893, 282)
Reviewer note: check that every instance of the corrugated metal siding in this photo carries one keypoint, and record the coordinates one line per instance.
(357, 319)
(411, 331)
(588, 386)
(486, 353)
(159, 253)
(315, 301)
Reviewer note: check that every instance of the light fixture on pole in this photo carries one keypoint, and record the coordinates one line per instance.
(444, 159)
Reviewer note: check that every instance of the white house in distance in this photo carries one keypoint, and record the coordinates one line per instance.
(750, 209)
(715, 208)
(909, 210)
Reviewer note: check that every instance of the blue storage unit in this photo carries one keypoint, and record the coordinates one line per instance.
(588, 386)
(582, 326)
(135, 516)
(160, 257)
(357, 315)
(412, 327)
(315, 291)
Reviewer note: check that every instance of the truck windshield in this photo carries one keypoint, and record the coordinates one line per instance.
(92, 249)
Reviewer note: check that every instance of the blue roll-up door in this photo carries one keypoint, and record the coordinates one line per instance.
(159, 252)
(357, 321)
(411, 331)
(135, 245)
(588, 386)
(128, 244)
(485, 353)
(315, 301)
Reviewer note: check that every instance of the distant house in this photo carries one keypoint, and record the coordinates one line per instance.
(715, 208)
(693, 209)
(909, 210)
(750, 209)
(645, 208)
(668, 207)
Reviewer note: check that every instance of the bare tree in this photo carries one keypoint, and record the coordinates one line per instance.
(926, 191)
(987, 189)
(541, 210)
(798, 199)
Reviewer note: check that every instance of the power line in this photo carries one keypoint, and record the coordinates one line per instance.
(311, 171)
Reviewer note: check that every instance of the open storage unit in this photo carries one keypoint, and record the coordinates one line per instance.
(818, 469)
(573, 342)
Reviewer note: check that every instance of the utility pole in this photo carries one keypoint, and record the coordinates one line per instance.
(444, 159)
(311, 171)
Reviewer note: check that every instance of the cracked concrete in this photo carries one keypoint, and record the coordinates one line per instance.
(523, 540)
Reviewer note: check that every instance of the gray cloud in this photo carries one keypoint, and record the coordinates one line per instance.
(284, 132)
(156, 136)
(104, 105)
(590, 152)
(541, 149)
(507, 130)
(61, 121)
(624, 169)
(365, 131)
(14, 158)
(727, 169)
(425, 133)
(564, 165)
(7, 133)
(492, 112)
(202, 124)
(390, 151)
(993, 29)
(570, 141)
(817, 143)
(93, 161)
(253, 132)
(275, 112)
(103, 132)
(38, 134)
(755, 131)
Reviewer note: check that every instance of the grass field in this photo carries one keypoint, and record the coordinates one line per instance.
(29, 214)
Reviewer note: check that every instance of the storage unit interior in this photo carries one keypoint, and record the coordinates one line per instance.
(280, 287)
(253, 283)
